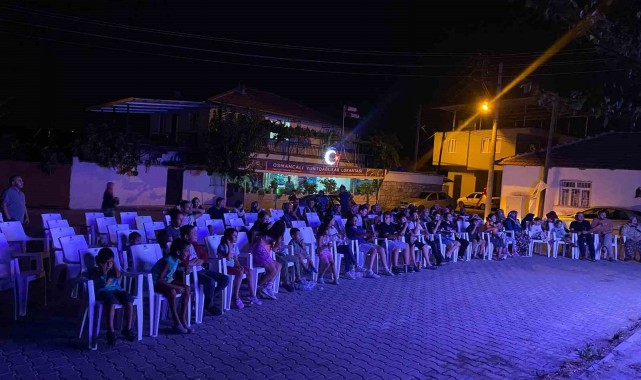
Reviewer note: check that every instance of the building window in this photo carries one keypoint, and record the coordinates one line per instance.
(451, 146)
(575, 193)
(486, 145)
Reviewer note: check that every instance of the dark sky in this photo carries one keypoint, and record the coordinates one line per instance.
(54, 67)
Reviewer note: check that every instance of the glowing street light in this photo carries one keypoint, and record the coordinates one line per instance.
(485, 106)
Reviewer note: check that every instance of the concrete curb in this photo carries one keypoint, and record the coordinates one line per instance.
(624, 362)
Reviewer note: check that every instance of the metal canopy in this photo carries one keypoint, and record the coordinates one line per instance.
(146, 106)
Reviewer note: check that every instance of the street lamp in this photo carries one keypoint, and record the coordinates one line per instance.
(485, 106)
(490, 173)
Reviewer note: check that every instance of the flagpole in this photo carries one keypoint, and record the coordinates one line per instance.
(343, 135)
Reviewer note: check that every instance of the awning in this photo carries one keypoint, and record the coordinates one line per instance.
(147, 106)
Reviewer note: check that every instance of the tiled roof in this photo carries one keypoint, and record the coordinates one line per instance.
(267, 102)
(612, 150)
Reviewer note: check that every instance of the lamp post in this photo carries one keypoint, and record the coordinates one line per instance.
(490, 173)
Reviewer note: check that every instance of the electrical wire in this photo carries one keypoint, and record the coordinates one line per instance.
(93, 46)
(17, 8)
(304, 60)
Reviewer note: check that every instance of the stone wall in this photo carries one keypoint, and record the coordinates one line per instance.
(391, 192)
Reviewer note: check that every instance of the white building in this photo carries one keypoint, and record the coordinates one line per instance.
(598, 171)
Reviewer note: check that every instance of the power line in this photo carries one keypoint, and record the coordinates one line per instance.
(17, 8)
(304, 60)
(92, 46)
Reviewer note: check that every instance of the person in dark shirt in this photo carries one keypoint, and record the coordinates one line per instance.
(390, 231)
(217, 211)
(109, 201)
(582, 228)
(345, 197)
(172, 231)
(444, 229)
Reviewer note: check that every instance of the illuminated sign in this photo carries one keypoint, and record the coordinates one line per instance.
(332, 157)
(301, 168)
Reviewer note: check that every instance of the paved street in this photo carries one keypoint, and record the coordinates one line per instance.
(467, 320)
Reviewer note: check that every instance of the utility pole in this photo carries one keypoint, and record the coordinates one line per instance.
(548, 151)
(418, 135)
(495, 124)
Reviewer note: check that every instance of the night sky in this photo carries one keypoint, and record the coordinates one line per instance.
(62, 58)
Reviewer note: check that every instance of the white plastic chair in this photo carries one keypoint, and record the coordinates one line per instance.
(128, 218)
(48, 217)
(167, 220)
(140, 224)
(201, 221)
(93, 307)
(102, 224)
(251, 217)
(122, 242)
(615, 247)
(22, 278)
(228, 216)
(574, 251)
(313, 220)
(14, 234)
(90, 223)
(144, 257)
(57, 223)
(72, 246)
(150, 230)
(218, 224)
(218, 265)
(236, 223)
(276, 214)
(8, 278)
(113, 229)
(58, 258)
(201, 235)
(298, 224)
(542, 242)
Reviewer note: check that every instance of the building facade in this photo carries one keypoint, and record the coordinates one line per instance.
(463, 149)
(595, 172)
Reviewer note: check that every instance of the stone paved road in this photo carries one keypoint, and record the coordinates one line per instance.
(477, 320)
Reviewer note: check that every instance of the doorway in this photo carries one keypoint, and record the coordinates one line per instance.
(456, 192)
(174, 188)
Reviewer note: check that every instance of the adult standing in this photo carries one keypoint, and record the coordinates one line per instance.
(289, 186)
(109, 201)
(344, 196)
(14, 204)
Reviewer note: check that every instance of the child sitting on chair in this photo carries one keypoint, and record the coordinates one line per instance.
(164, 283)
(560, 233)
(106, 278)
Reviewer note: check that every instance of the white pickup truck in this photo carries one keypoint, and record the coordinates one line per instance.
(477, 200)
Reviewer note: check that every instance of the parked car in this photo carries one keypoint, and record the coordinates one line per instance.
(428, 199)
(477, 198)
(619, 216)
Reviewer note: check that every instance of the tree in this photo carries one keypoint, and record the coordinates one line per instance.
(111, 148)
(232, 142)
(614, 30)
(329, 184)
(384, 149)
(369, 188)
